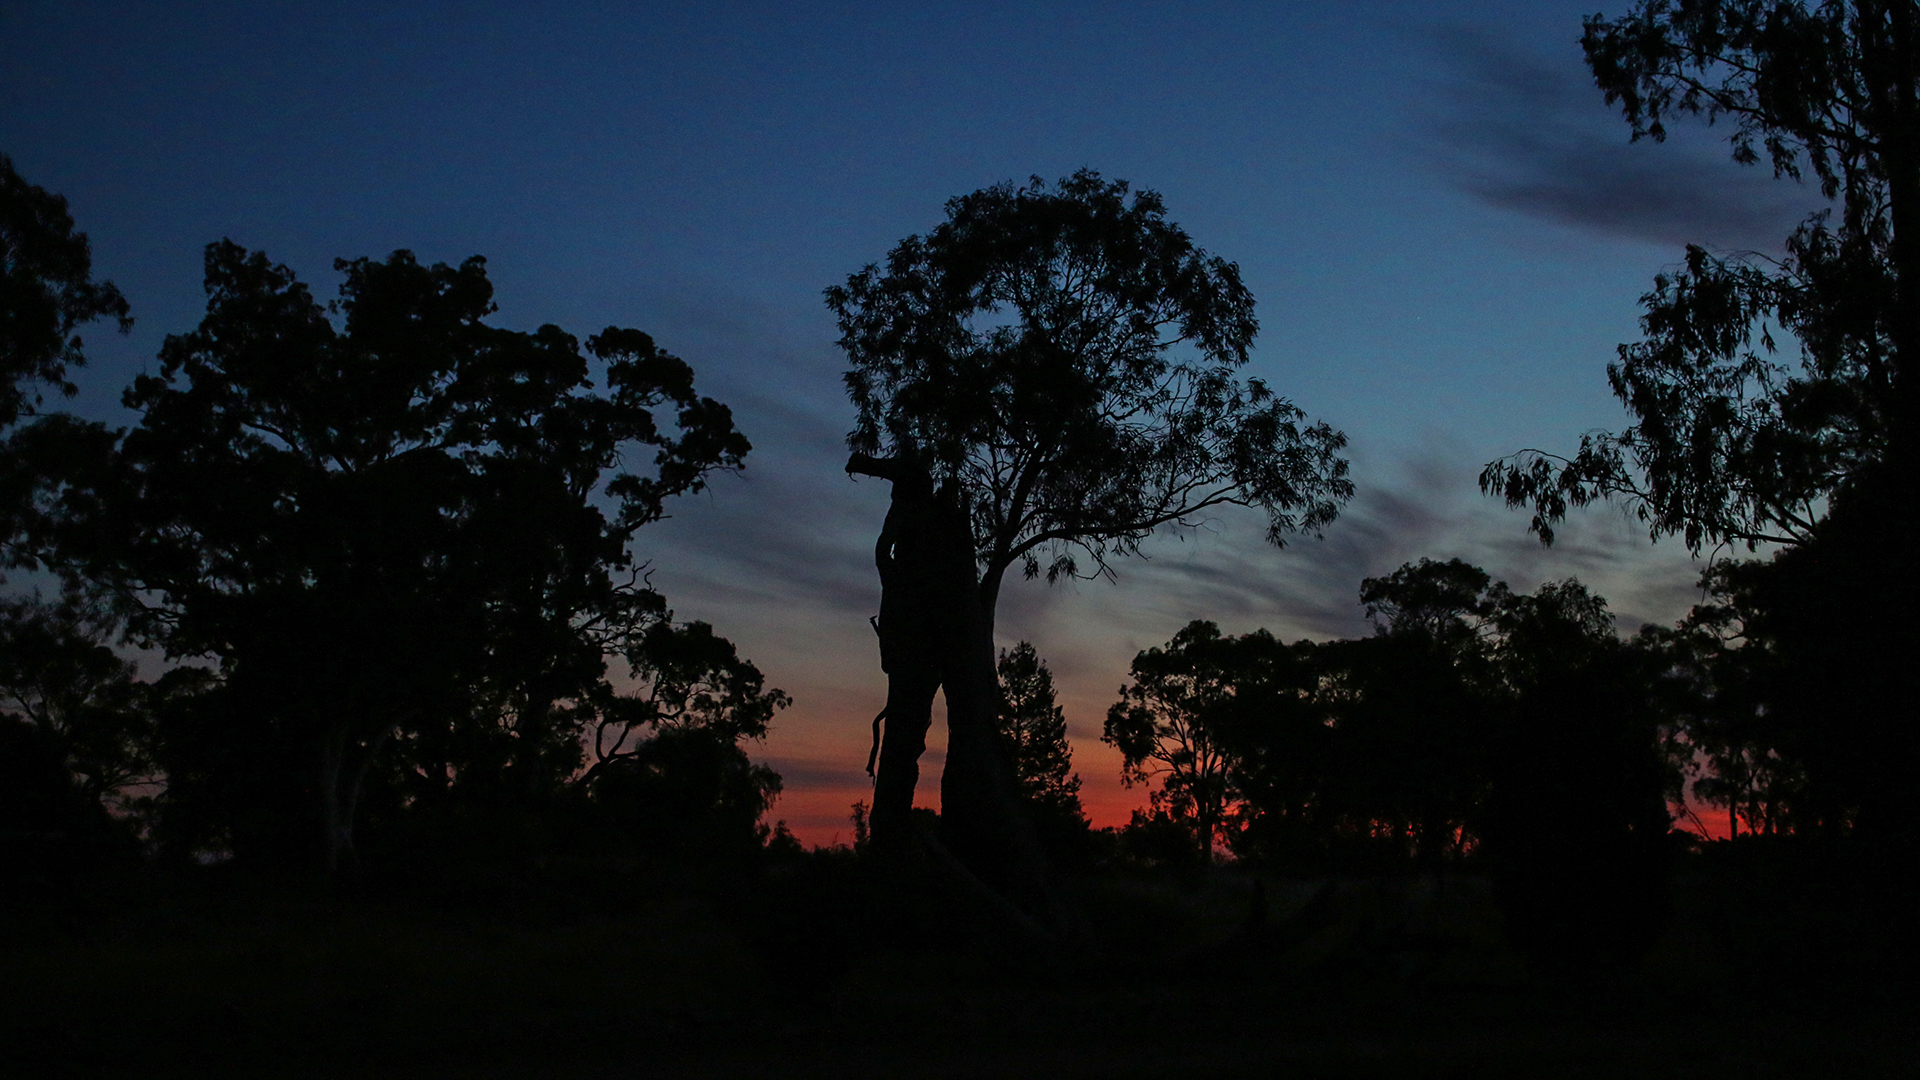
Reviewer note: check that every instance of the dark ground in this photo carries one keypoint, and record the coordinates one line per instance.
(1772, 967)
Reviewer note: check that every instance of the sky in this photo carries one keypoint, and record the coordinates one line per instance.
(1446, 230)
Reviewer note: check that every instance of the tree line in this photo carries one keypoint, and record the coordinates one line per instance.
(386, 550)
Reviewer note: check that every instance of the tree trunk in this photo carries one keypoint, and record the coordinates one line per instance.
(981, 820)
(936, 632)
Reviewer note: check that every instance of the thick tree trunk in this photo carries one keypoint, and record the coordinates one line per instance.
(936, 632)
(910, 644)
(981, 819)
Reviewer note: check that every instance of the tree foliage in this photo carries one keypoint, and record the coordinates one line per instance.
(75, 711)
(47, 292)
(1033, 731)
(1065, 356)
(1176, 721)
(1763, 388)
(384, 518)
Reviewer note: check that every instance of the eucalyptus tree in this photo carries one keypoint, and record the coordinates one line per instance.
(1776, 401)
(1765, 389)
(47, 293)
(1049, 377)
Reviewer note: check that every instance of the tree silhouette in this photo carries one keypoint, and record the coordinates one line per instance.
(1051, 372)
(1734, 443)
(1033, 735)
(1730, 443)
(1576, 821)
(47, 293)
(76, 741)
(1175, 722)
(381, 518)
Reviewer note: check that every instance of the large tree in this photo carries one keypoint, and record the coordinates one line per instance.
(381, 517)
(1776, 401)
(1732, 441)
(1050, 375)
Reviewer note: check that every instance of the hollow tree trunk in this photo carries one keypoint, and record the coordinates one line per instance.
(909, 646)
(936, 632)
(981, 819)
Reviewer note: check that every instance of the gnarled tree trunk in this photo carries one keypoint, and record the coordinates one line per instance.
(936, 632)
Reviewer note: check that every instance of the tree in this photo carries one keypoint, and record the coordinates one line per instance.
(668, 759)
(1576, 821)
(380, 518)
(47, 293)
(1731, 443)
(76, 741)
(1176, 722)
(58, 677)
(1727, 736)
(1411, 709)
(1033, 735)
(1050, 372)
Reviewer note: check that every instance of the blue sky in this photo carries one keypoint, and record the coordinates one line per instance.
(1445, 228)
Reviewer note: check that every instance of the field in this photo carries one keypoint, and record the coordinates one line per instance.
(824, 966)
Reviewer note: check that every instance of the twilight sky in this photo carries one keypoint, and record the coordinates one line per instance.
(1445, 228)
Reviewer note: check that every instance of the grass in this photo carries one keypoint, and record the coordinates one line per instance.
(817, 969)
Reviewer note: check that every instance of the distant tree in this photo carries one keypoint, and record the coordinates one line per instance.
(684, 678)
(1376, 746)
(76, 731)
(1033, 732)
(1176, 722)
(47, 293)
(1450, 603)
(1731, 744)
(667, 753)
(1576, 821)
(1053, 366)
(381, 518)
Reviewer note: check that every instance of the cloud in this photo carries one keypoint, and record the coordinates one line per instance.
(1533, 135)
(1425, 504)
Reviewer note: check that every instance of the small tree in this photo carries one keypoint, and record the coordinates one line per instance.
(76, 727)
(1033, 735)
(1176, 722)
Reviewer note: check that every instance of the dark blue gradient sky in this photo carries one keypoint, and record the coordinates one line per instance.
(1446, 231)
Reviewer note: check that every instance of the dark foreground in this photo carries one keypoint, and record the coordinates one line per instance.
(1773, 966)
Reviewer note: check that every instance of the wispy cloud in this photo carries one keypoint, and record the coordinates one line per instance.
(1531, 133)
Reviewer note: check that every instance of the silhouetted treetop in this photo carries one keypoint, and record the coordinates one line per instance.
(1440, 599)
(47, 293)
(1033, 731)
(1066, 355)
(1732, 442)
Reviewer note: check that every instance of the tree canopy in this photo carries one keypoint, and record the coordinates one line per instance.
(383, 517)
(1764, 388)
(47, 292)
(1065, 355)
